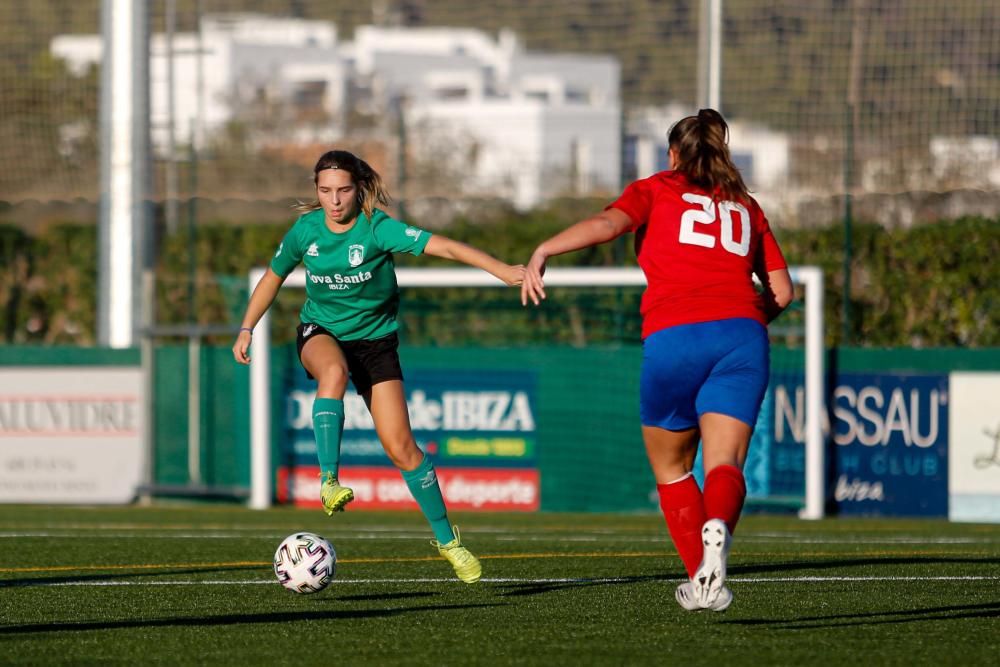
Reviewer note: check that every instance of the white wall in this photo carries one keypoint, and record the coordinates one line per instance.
(508, 140)
(249, 28)
(525, 150)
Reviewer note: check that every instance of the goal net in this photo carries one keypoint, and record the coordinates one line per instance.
(523, 406)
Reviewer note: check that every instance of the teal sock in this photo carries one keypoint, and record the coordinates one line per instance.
(328, 424)
(423, 483)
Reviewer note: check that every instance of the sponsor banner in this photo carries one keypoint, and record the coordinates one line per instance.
(974, 447)
(459, 417)
(890, 442)
(382, 488)
(70, 435)
(757, 469)
(784, 407)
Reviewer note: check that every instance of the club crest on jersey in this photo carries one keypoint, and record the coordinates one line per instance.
(356, 254)
(313, 250)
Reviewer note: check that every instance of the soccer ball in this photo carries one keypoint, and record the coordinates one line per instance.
(305, 563)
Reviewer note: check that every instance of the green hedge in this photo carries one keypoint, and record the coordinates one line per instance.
(927, 286)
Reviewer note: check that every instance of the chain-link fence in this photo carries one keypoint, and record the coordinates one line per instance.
(878, 97)
(485, 110)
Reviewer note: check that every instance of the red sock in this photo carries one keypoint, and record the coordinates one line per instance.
(725, 490)
(684, 511)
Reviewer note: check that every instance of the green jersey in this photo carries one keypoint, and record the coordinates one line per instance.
(351, 285)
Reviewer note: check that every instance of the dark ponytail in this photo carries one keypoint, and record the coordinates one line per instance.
(701, 146)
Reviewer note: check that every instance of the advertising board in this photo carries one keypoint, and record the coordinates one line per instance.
(70, 434)
(477, 426)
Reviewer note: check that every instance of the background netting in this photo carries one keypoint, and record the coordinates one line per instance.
(892, 99)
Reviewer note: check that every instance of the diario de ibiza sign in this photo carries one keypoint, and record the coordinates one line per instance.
(479, 427)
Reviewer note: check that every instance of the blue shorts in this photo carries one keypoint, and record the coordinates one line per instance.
(691, 369)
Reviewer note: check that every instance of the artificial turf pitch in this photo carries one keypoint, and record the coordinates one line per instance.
(194, 585)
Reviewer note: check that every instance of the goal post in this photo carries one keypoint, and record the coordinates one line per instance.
(810, 277)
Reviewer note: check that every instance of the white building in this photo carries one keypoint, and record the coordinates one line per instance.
(243, 59)
(514, 124)
(519, 125)
(966, 162)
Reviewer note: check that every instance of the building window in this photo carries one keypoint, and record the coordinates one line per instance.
(630, 158)
(744, 163)
(309, 97)
(451, 93)
(662, 158)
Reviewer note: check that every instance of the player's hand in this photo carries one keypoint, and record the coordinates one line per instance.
(533, 287)
(513, 275)
(242, 346)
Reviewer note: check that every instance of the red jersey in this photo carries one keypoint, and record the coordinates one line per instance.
(697, 252)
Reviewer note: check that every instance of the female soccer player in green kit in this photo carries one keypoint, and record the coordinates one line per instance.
(348, 327)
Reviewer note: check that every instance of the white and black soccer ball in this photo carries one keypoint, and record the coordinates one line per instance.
(305, 563)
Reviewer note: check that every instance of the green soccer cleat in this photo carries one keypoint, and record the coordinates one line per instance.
(466, 565)
(333, 495)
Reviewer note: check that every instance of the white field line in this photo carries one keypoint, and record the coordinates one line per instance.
(769, 538)
(202, 536)
(512, 580)
(58, 527)
(346, 534)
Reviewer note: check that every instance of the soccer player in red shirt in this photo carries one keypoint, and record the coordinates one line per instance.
(699, 238)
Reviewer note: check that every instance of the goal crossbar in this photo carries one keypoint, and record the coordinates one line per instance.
(810, 277)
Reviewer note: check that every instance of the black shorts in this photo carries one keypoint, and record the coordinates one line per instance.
(368, 361)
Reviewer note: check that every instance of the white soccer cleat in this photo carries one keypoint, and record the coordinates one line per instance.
(723, 601)
(708, 581)
(686, 599)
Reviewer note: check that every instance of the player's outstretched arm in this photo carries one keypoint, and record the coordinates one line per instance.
(603, 227)
(442, 246)
(261, 299)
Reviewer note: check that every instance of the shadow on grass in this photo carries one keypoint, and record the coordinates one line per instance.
(776, 568)
(961, 612)
(124, 574)
(541, 587)
(384, 596)
(228, 619)
(675, 576)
